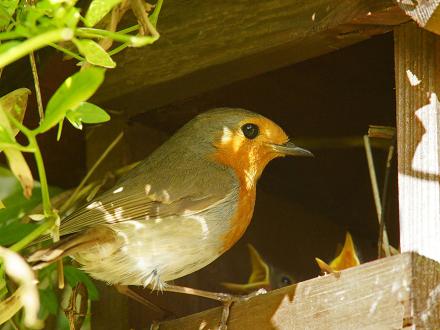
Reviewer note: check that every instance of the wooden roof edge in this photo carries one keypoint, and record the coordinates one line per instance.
(425, 13)
(205, 46)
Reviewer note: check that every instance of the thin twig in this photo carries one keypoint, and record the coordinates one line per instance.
(60, 274)
(76, 317)
(116, 17)
(373, 177)
(37, 85)
(73, 197)
(382, 226)
(138, 7)
(384, 244)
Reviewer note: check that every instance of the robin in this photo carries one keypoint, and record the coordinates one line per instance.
(263, 275)
(179, 209)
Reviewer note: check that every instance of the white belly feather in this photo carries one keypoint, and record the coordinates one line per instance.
(153, 251)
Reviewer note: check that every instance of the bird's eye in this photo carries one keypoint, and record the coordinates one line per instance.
(251, 131)
(285, 280)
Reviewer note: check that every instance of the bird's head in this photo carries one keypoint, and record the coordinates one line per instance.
(245, 141)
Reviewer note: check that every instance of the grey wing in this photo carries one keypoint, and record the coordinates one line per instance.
(134, 203)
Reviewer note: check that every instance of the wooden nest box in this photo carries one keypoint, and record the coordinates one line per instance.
(206, 45)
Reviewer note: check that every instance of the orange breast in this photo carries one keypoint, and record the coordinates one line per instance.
(241, 219)
(247, 169)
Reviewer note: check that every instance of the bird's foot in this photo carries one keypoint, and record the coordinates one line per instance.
(226, 298)
(159, 312)
(229, 299)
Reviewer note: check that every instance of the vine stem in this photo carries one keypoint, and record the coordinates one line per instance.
(40, 164)
(51, 217)
(133, 41)
(30, 135)
(67, 52)
(32, 44)
(25, 241)
(42, 175)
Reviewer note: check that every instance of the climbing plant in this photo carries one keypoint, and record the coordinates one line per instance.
(89, 35)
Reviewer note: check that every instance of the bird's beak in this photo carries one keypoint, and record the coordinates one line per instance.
(291, 149)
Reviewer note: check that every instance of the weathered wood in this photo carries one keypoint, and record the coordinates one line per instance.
(417, 67)
(425, 12)
(207, 44)
(388, 293)
(425, 294)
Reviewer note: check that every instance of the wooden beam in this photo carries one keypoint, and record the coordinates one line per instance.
(426, 13)
(388, 293)
(417, 67)
(208, 44)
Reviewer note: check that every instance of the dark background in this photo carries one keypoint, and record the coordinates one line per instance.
(304, 206)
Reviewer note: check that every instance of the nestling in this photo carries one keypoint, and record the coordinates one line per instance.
(181, 208)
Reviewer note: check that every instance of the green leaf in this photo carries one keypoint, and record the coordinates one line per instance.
(75, 90)
(3, 287)
(72, 17)
(87, 113)
(5, 134)
(7, 9)
(8, 183)
(15, 158)
(98, 9)
(94, 53)
(15, 103)
(14, 232)
(21, 170)
(16, 204)
(49, 303)
(74, 275)
(60, 128)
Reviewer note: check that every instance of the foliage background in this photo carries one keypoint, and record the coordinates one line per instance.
(28, 208)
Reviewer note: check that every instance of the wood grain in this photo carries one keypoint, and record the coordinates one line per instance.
(208, 44)
(417, 64)
(425, 293)
(376, 295)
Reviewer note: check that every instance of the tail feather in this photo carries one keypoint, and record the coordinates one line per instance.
(69, 246)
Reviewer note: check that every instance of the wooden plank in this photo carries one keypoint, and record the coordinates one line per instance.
(207, 44)
(375, 295)
(426, 13)
(417, 67)
(425, 294)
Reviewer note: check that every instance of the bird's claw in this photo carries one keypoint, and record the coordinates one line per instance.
(253, 294)
(229, 299)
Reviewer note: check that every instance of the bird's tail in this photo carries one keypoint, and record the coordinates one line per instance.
(70, 245)
(45, 257)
